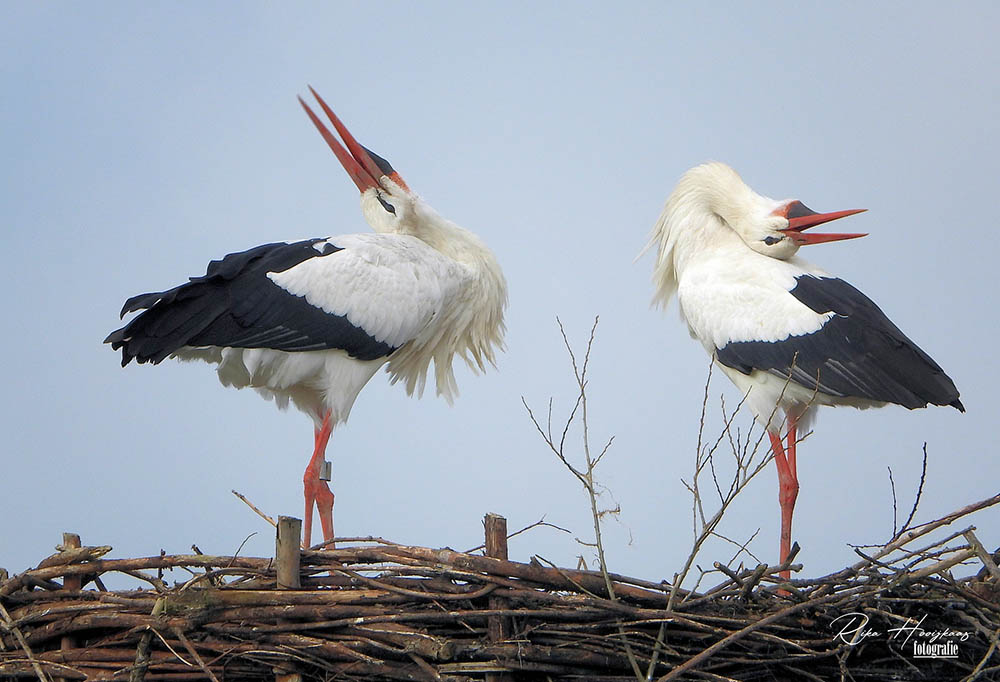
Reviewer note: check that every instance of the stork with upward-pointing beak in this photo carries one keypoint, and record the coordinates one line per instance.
(311, 321)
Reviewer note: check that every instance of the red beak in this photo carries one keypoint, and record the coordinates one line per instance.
(358, 163)
(800, 218)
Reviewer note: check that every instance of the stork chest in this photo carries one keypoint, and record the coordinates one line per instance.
(725, 300)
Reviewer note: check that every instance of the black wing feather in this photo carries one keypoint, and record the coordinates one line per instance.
(236, 305)
(858, 353)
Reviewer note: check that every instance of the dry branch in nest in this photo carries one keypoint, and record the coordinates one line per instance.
(383, 611)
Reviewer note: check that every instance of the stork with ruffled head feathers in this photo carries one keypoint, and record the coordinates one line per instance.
(310, 322)
(790, 336)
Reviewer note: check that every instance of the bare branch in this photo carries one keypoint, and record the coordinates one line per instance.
(920, 490)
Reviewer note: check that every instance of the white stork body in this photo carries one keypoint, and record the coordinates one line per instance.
(734, 295)
(310, 322)
(395, 295)
(789, 335)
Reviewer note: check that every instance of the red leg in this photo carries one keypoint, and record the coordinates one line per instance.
(791, 439)
(788, 490)
(317, 491)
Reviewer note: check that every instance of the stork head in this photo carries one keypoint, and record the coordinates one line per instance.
(473, 330)
(770, 227)
(386, 202)
(710, 205)
(780, 232)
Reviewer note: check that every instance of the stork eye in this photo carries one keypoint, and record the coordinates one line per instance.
(771, 241)
(386, 205)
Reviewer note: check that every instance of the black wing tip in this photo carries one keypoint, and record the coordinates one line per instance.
(130, 305)
(118, 342)
(141, 302)
(116, 338)
(957, 404)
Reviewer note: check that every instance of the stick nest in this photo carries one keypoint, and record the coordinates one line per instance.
(376, 610)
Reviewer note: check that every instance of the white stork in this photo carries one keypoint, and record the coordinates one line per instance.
(788, 335)
(311, 321)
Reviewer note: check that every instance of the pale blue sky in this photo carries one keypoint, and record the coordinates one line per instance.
(142, 141)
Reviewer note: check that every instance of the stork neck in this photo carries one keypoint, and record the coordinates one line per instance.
(450, 240)
(703, 236)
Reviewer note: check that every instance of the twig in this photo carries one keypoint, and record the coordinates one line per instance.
(245, 541)
(909, 535)
(729, 572)
(752, 581)
(983, 555)
(586, 475)
(191, 650)
(9, 623)
(171, 649)
(536, 524)
(157, 584)
(892, 488)
(920, 490)
(425, 666)
(938, 567)
(258, 511)
(141, 664)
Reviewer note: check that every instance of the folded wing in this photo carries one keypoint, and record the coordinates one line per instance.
(858, 352)
(364, 294)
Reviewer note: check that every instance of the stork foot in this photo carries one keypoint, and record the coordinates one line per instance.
(317, 493)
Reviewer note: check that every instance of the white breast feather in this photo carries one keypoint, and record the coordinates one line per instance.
(745, 299)
(392, 286)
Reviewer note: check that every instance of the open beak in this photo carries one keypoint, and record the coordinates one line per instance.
(801, 218)
(365, 168)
